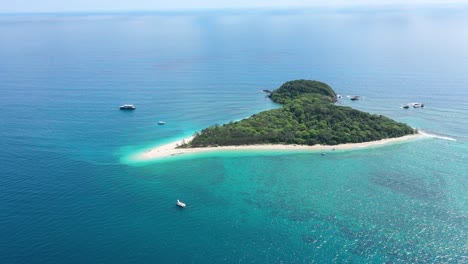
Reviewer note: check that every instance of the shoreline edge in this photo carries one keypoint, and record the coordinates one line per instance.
(170, 149)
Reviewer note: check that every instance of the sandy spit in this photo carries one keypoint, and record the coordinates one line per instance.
(170, 149)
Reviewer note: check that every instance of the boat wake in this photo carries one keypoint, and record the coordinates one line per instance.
(437, 136)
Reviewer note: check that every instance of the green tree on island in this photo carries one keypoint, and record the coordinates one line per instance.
(308, 117)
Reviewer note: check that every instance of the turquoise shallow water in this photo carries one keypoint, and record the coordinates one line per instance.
(69, 194)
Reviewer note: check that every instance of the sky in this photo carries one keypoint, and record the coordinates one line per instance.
(41, 6)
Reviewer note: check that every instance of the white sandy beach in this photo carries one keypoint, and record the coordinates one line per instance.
(171, 149)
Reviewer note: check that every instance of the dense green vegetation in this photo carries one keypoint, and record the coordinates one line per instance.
(307, 117)
(299, 88)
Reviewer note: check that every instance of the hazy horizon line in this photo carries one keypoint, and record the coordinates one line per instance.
(355, 7)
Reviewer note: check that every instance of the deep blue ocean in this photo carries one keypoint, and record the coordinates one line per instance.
(69, 193)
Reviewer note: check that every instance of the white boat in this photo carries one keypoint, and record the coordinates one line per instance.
(127, 107)
(161, 122)
(180, 204)
(417, 105)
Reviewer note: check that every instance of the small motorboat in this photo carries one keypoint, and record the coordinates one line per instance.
(161, 122)
(418, 105)
(180, 204)
(406, 106)
(355, 98)
(127, 107)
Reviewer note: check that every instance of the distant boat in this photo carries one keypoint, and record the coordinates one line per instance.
(266, 91)
(414, 105)
(354, 98)
(180, 204)
(161, 122)
(127, 107)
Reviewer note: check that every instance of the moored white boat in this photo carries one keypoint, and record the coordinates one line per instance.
(127, 107)
(180, 204)
(414, 105)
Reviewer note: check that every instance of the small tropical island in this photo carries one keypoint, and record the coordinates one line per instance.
(307, 119)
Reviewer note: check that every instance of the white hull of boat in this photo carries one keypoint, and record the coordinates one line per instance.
(180, 204)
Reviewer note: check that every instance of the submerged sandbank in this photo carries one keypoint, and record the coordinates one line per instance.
(170, 150)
